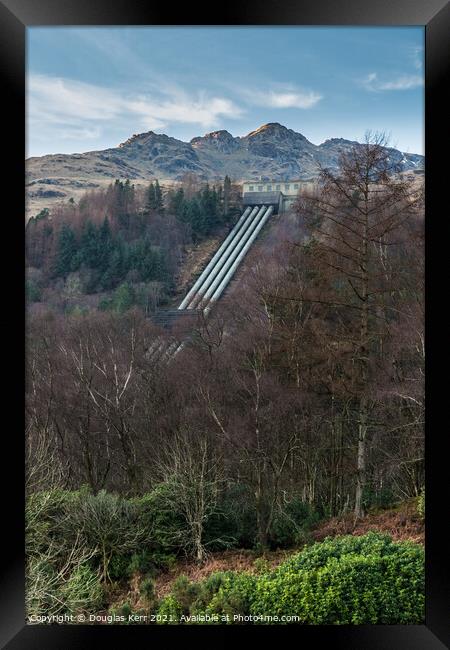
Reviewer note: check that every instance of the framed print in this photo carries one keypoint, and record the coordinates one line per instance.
(232, 229)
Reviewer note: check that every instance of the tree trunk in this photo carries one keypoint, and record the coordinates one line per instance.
(361, 459)
(363, 360)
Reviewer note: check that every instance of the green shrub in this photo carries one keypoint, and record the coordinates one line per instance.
(317, 555)
(234, 595)
(109, 525)
(141, 562)
(158, 513)
(48, 518)
(379, 499)
(292, 524)
(83, 592)
(234, 523)
(185, 592)
(163, 561)
(347, 580)
(147, 590)
(147, 562)
(60, 578)
(119, 567)
(169, 611)
(55, 590)
(206, 590)
(261, 565)
(124, 611)
(222, 594)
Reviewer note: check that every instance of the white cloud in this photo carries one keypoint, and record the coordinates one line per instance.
(280, 96)
(402, 82)
(182, 108)
(292, 99)
(80, 110)
(55, 99)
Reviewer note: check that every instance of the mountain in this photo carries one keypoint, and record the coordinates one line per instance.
(271, 152)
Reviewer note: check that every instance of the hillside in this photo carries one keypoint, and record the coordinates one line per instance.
(402, 523)
(271, 151)
(170, 486)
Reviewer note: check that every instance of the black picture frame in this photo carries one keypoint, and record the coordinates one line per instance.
(15, 17)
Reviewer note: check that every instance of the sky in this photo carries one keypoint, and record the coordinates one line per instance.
(91, 88)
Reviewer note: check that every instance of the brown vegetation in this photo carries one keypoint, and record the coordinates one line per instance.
(401, 523)
(304, 389)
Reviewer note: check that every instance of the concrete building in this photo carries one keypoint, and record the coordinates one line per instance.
(280, 194)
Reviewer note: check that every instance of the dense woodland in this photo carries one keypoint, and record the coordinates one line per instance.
(300, 398)
(122, 245)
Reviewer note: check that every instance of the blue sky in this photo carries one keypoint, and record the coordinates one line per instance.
(90, 88)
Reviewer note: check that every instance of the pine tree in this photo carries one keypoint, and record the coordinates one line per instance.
(153, 199)
(90, 246)
(160, 265)
(150, 198)
(118, 202)
(124, 196)
(195, 216)
(115, 269)
(209, 204)
(177, 203)
(104, 244)
(144, 260)
(67, 248)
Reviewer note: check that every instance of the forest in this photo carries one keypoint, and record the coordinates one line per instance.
(298, 401)
(121, 246)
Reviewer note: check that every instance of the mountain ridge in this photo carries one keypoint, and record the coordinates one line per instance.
(272, 151)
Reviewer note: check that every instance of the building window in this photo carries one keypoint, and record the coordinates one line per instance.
(250, 188)
(277, 187)
(269, 188)
(260, 188)
(286, 187)
(296, 186)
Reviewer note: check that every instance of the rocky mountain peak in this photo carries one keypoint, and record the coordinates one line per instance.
(275, 141)
(145, 139)
(219, 135)
(274, 134)
(136, 137)
(221, 140)
(270, 128)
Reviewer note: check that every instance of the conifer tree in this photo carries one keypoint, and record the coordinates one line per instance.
(67, 248)
(177, 203)
(90, 246)
(150, 198)
(104, 244)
